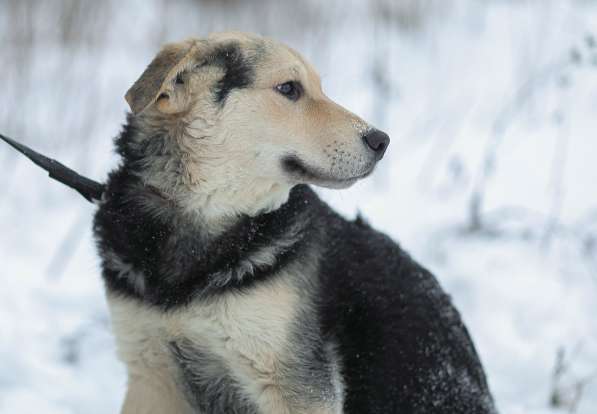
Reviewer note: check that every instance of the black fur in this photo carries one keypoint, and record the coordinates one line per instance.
(294, 166)
(217, 393)
(401, 344)
(238, 69)
(126, 228)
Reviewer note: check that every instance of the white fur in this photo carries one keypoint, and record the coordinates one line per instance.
(249, 332)
(125, 270)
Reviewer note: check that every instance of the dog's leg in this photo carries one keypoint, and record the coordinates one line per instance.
(272, 402)
(152, 385)
(154, 394)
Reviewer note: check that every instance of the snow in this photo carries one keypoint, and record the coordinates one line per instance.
(468, 73)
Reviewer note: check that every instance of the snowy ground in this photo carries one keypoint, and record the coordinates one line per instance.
(493, 98)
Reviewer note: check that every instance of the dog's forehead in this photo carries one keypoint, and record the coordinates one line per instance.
(277, 59)
(266, 62)
(267, 54)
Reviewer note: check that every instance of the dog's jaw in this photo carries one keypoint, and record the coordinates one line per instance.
(217, 205)
(220, 204)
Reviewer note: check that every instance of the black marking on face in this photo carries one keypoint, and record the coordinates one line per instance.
(238, 69)
(294, 166)
(299, 170)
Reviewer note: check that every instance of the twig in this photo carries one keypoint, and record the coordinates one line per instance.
(558, 172)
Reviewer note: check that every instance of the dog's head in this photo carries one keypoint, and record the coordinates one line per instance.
(249, 120)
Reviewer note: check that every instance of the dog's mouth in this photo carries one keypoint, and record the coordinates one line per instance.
(297, 169)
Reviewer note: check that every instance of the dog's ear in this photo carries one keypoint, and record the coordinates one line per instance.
(161, 82)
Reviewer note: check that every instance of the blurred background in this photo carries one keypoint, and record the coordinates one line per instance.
(490, 180)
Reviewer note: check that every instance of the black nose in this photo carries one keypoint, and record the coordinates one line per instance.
(378, 141)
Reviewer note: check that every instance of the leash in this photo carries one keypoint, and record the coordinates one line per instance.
(88, 188)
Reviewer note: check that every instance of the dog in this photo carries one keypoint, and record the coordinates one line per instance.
(232, 287)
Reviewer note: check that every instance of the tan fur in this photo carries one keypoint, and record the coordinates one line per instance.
(152, 84)
(249, 332)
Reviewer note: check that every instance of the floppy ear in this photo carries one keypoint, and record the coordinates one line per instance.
(158, 81)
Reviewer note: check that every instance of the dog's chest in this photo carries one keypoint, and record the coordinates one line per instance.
(243, 335)
(251, 327)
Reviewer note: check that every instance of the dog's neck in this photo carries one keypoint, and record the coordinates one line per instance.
(155, 252)
(163, 160)
(155, 249)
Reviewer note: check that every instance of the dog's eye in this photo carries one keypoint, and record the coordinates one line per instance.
(179, 79)
(291, 90)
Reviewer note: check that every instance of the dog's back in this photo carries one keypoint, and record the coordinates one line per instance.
(403, 345)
